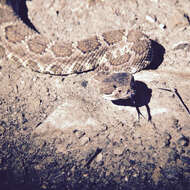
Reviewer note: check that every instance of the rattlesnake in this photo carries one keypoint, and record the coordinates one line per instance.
(114, 51)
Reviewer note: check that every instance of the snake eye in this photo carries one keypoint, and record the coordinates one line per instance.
(114, 86)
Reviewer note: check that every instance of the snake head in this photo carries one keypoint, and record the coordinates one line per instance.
(117, 86)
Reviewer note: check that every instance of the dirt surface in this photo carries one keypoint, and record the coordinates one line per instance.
(59, 133)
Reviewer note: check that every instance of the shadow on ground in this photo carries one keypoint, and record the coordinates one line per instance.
(142, 98)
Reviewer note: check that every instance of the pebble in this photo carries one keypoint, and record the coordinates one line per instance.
(2, 52)
(84, 140)
(84, 83)
(162, 26)
(167, 138)
(118, 151)
(155, 1)
(79, 133)
(166, 142)
(99, 157)
(2, 130)
(151, 19)
(44, 186)
(181, 45)
(122, 170)
(126, 178)
(183, 141)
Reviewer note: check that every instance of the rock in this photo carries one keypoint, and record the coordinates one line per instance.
(73, 115)
(99, 157)
(151, 19)
(79, 133)
(182, 45)
(122, 170)
(155, 1)
(84, 140)
(166, 142)
(84, 83)
(44, 186)
(183, 141)
(162, 26)
(167, 137)
(118, 150)
(126, 178)
(2, 130)
(2, 52)
(156, 175)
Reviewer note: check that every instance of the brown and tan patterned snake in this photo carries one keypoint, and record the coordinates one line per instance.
(119, 53)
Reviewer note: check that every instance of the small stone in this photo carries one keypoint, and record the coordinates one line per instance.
(2, 52)
(79, 133)
(38, 167)
(118, 151)
(126, 178)
(2, 130)
(44, 186)
(183, 141)
(155, 1)
(182, 45)
(162, 26)
(103, 128)
(84, 140)
(85, 175)
(156, 175)
(111, 136)
(151, 19)
(122, 170)
(135, 174)
(167, 138)
(99, 157)
(166, 143)
(84, 83)
(188, 152)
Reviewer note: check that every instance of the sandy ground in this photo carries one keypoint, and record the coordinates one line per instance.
(59, 133)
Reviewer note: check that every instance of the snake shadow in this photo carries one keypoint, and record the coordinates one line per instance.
(142, 98)
(158, 56)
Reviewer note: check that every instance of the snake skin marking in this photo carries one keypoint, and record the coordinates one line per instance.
(114, 51)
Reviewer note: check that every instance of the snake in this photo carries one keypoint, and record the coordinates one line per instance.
(113, 55)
